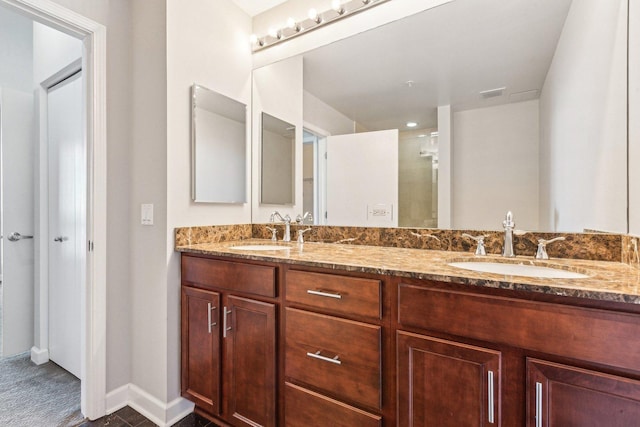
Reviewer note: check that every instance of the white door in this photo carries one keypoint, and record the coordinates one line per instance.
(16, 125)
(67, 203)
(362, 179)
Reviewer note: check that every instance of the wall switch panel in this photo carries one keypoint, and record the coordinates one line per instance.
(146, 214)
(380, 212)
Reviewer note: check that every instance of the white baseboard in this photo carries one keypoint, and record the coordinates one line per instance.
(162, 414)
(39, 356)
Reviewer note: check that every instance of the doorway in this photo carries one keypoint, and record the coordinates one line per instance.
(93, 294)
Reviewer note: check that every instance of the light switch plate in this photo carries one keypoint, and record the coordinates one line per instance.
(146, 214)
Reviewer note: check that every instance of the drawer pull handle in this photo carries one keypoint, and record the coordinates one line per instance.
(538, 404)
(491, 397)
(324, 294)
(224, 322)
(210, 308)
(317, 355)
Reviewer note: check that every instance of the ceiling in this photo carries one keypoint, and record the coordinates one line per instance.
(256, 7)
(451, 53)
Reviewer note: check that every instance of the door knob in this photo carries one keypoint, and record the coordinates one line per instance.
(15, 236)
(60, 239)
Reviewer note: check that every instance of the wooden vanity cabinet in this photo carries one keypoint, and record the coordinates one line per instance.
(446, 383)
(229, 340)
(566, 396)
(333, 350)
(553, 364)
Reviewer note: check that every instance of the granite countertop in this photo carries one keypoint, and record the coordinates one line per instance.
(607, 281)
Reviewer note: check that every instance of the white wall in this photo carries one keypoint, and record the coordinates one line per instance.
(583, 122)
(634, 112)
(322, 116)
(277, 90)
(495, 152)
(16, 42)
(52, 51)
(362, 179)
(206, 44)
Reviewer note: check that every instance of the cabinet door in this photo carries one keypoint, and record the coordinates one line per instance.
(201, 348)
(446, 384)
(250, 362)
(565, 396)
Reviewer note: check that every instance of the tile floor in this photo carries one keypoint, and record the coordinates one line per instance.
(128, 417)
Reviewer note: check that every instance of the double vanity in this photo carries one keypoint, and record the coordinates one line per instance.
(325, 334)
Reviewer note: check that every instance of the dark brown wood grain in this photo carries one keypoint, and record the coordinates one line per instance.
(359, 297)
(445, 383)
(250, 363)
(356, 344)
(307, 408)
(573, 397)
(201, 349)
(232, 276)
(581, 333)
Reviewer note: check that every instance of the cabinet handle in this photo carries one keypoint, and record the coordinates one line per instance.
(317, 355)
(491, 397)
(335, 295)
(538, 404)
(210, 308)
(224, 322)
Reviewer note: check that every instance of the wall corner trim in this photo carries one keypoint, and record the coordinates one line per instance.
(162, 414)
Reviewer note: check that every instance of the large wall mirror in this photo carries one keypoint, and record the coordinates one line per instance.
(219, 147)
(277, 161)
(497, 106)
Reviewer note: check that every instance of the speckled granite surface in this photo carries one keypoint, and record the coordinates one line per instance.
(608, 281)
(592, 246)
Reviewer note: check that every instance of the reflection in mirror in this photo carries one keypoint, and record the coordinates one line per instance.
(521, 110)
(219, 147)
(278, 158)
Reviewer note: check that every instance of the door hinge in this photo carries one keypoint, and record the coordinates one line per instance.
(326, 215)
(90, 246)
(325, 155)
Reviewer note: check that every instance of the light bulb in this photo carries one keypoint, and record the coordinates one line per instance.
(253, 39)
(337, 6)
(313, 15)
(412, 124)
(274, 33)
(291, 23)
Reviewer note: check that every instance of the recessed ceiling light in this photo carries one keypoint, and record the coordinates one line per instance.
(412, 124)
(422, 135)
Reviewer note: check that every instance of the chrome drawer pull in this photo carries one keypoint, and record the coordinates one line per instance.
(318, 356)
(324, 294)
(210, 308)
(491, 397)
(224, 322)
(538, 404)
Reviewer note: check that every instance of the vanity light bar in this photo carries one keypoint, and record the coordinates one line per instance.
(340, 9)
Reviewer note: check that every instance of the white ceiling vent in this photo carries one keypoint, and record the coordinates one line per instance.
(492, 93)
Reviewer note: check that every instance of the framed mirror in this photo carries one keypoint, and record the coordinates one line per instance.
(219, 147)
(277, 181)
(517, 106)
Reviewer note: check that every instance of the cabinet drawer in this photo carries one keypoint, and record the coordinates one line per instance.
(582, 333)
(235, 276)
(306, 408)
(339, 356)
(343, 294)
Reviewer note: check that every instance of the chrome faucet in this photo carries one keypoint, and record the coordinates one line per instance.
(480, 249)
(300, 219)
(542, 247)
(508, 225)
(286, 220)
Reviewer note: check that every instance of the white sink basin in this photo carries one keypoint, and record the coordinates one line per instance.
(519, 270)
(259, 248)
